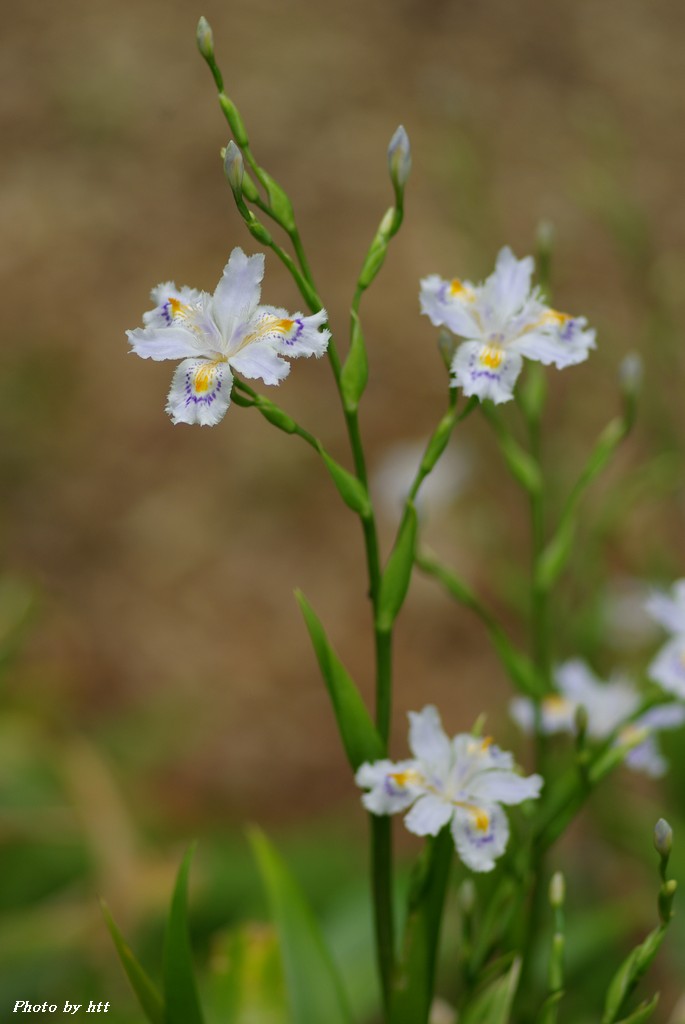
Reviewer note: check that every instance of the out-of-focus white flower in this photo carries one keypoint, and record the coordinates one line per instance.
(669, 610)
(214, 334)
(627, 625)
(501, 321)
(609, 705)
(668, 667)
(461, 782)
(392, 479)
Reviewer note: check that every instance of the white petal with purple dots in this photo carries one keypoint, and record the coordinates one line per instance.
(501, 321)
(215, 334)
(460, 782)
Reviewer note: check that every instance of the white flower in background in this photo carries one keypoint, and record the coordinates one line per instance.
(669, 610)
(668, 668)
(214, 334)
(501, 321)
(625, 622)
(609, 706)
(392, 479)
(461, 782)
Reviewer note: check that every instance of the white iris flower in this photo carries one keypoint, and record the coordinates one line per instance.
(461, 782)
(214, 334)
(501, 321)
(609, 706)
(668, 668)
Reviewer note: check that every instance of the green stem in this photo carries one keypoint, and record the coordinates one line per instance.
(382, 886)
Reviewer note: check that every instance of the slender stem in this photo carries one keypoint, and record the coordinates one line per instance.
(382, 886)
(540, 651)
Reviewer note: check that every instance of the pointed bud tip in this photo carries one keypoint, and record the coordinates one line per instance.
(557, 890)
(234, 168)
(581, 719)
(545, 235)
(663, 838)
(447, 346)
(630, 373)
(205, 38)
(399, 158)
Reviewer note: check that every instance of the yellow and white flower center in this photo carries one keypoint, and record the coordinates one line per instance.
(491, 356)
(458, 289)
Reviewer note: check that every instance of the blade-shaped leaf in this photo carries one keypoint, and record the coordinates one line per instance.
(181, 1000)
(357, 731)
(246, 984)
(350, 488)
(630, 972)
(397, 573)
(315, 991)
(643, 1012)
(493, 1006)
(414, 981)
(145, 990)
(355, 371)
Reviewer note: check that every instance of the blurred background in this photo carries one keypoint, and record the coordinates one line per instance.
(157, 681)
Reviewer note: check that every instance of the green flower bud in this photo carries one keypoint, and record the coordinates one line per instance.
(630, 374)
(544, 246)
(447, 346)
(663, 838)
(630, 383)
(399, 159)
(467, 896)
(665, 901)
(205, 39)
(234, 169)
(557, 890)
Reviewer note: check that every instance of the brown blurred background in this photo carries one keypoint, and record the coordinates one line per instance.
(165, 557)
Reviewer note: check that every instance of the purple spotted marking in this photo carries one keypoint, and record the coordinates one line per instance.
(477, 374)
(296, 335)
(391, 787)
(193, 399)
(569, 330)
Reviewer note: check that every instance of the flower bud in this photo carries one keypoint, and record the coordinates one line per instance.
(581, 718)
(447, 346)
(630, 372)
(467, 896)
(665, 901)
(234, 168)
(205, 39)
(663, 838)
(557, 890)
(399, 159)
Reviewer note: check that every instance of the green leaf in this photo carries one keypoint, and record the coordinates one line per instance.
(439, 441)
(246, 983)
(274, 415)
(415, 977)
(145, 990)
(314, 989)
(493, 1006)
(279, 201)
(350, 489)
(181, 1000)
(630, 972)
(643, 1012)
(357, 731)
(397, 573)
(555, 555)
(550, 1008)
(232, 115)
(355, 371)
(522, 466)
